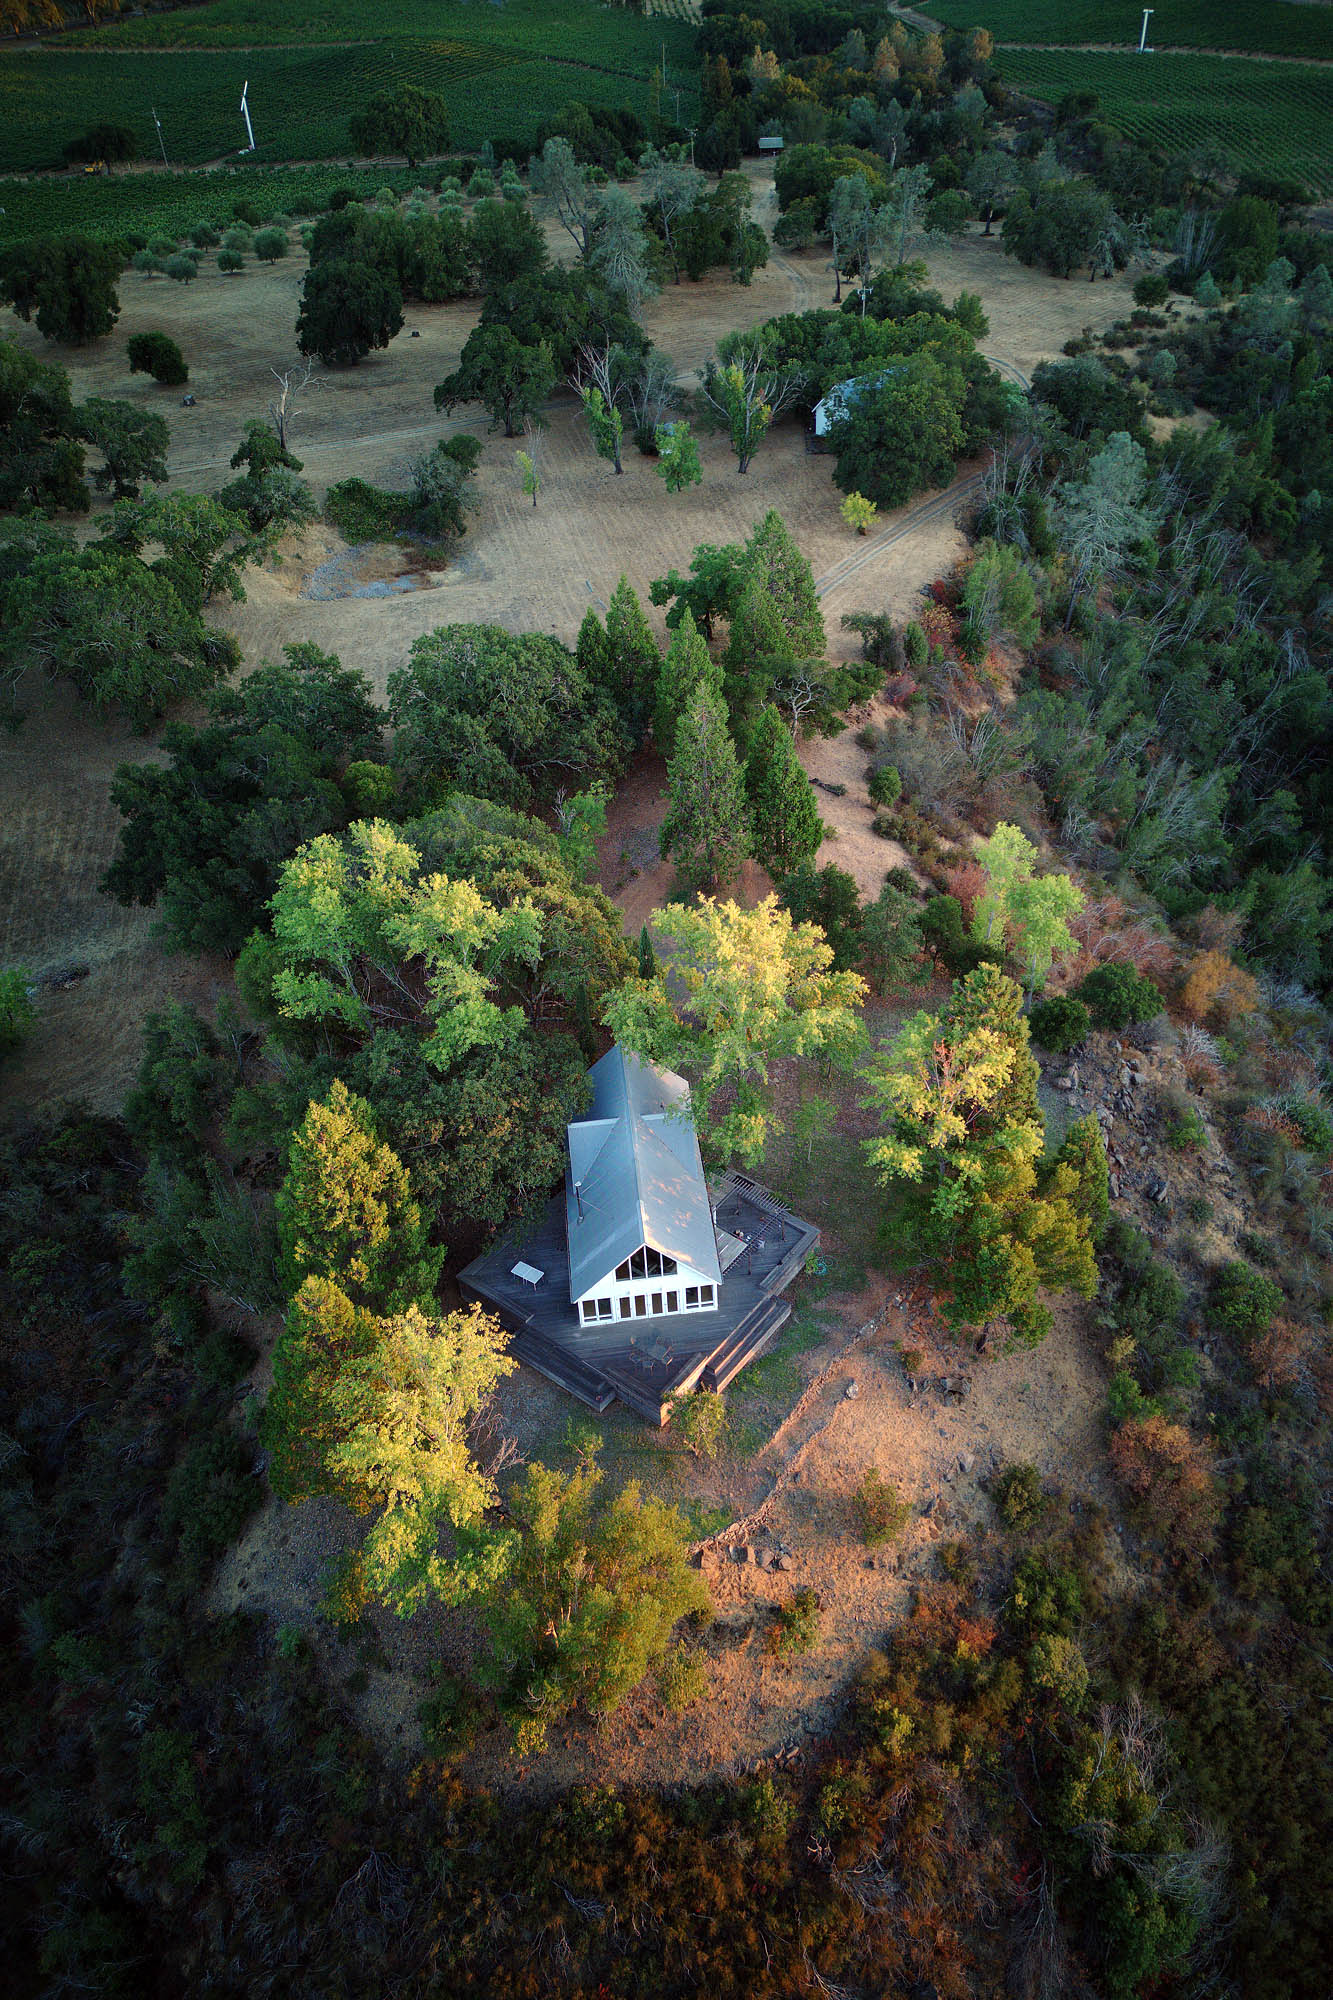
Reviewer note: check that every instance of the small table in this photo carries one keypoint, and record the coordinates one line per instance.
(528, 1273)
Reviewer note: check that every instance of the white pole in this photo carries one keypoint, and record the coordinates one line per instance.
(160, 140)
(1143, 49)
(245, 113)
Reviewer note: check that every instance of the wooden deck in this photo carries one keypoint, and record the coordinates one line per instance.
(647, 1363)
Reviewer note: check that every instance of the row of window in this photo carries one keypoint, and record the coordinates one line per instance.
(698, 1298)
(646, 1263)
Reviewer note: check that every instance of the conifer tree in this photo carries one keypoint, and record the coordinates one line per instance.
(783, 811)
(685, 667)
(787, 578)
(345, 1211)
(707, 827)
(758, 654)
(633, 660)
(592, 651)
(647, 956)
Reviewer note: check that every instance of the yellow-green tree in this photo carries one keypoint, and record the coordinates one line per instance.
(375, 1411)
(1027, 912)
(588, 1598)
(345, 1210)
(959, 1151)
(858, 512)
(738, 991)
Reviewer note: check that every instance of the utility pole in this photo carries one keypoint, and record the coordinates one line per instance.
(160, 140)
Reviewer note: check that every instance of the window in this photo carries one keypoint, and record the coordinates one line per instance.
(625, 1308)
(640, 1306)
(668, 1267)
(590, 1309)
(673, 1302)
(691, 1298)
(705, 1295)
(637, 1266)
(622, 1272)
(657, 1305)
(603, 1308)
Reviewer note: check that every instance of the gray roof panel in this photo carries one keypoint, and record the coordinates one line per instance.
(635, 1157)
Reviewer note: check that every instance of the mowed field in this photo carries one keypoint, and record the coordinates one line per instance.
(500, 70)
(520, 567)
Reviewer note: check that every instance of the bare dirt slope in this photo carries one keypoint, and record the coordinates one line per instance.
(936, 1449)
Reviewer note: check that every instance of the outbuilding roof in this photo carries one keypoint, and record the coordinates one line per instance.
(635, 1176)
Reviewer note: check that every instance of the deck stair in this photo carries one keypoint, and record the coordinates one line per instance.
(749, 1340)
(558, 1365)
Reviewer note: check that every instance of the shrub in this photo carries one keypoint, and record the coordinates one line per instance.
(768, 1810)
(270, 244)
(916, 646)
(958, 1563)
(682, 1678)
(1259, 1249)
(1243, 1303)
(1019, 1500)
(365, 513)
(211, 1494)
(16, 1013)
(881, 1512)
(1045, 1597)
(1187, 1132)
(346, 1590)
(162, 246)
(1215, 987)
(240, 240)
(449, 1716)
(144, 261)
(1117, 996)
(1169, 1474)
(245, 211)
(204, 236)
(368, 788)
(701, 1420)
(1059, 1024)
(795, 1624)
(1151, 289)
(1314, 1122)
(230, 260)
(481, 184)
(157, 354)
(885, 785)
(1056, 1666)
(867, 738)
(183, 269)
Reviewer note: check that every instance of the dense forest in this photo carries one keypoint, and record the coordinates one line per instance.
(1092, 1755)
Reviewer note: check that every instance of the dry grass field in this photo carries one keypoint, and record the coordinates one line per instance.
(102, 971)
(518, 566)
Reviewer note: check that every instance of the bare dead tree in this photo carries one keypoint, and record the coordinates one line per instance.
(284, 408)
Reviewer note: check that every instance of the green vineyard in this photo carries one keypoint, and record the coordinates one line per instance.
(170, 204)
(501, 71)
(1273, 27)
(1267, 118)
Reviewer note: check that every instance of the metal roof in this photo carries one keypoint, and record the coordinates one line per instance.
(635, 1176)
